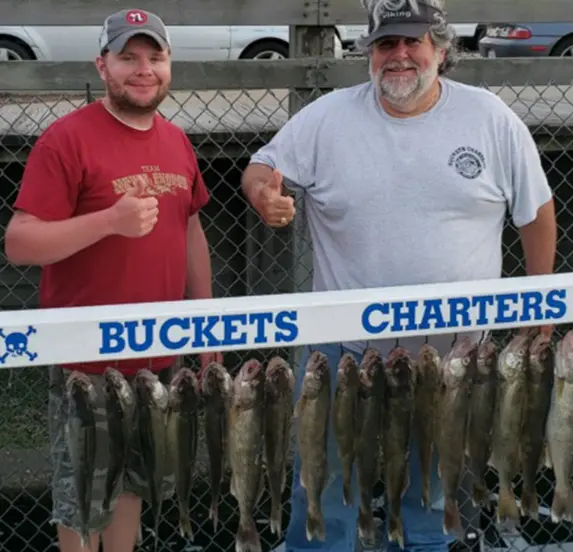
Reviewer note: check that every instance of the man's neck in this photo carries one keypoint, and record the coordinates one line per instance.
(137, 122)
(418, 106)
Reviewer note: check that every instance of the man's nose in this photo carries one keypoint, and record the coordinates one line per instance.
(144, 66)
(401, 50)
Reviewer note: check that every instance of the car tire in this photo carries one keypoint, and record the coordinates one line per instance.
(16, 50)
(266, 49)
(563, 45)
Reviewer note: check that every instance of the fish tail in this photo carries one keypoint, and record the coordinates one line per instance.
(247, 538)
(276, 517)
(185, 529)
(156, 529)
(452, 519)
(366, 525)
(214, 512)
(562, 506)
(529, 503)
(396, 529)
(425, 463)
(507, 506)
(426, 503)
(347, 494)
(480, 494)
(104, 508)
(85, 540)
(315, 526)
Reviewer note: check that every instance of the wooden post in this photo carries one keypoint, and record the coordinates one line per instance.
(319, 42)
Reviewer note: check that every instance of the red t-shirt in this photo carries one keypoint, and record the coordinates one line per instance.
(83, 163)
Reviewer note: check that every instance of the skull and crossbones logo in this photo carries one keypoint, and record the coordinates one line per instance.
(16, 344)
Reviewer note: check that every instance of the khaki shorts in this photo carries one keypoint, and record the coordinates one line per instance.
(64, 510)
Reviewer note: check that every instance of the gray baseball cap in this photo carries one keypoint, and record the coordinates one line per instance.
(409, 18)
(119, 27)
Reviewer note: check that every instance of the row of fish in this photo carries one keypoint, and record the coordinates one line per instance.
(478, 406)
(165, 420)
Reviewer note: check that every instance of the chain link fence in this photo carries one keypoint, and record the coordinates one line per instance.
(225, 128)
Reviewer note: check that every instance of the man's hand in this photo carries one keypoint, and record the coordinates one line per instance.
(275, 209)
(133, 216)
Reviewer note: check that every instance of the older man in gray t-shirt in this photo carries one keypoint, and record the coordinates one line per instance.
(407, 180)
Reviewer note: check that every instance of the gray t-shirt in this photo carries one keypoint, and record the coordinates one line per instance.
(417, 200)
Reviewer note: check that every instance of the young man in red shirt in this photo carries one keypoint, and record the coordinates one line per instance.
(108, 206)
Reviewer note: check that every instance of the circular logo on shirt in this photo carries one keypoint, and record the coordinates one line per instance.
(136, 17)
(467, 162)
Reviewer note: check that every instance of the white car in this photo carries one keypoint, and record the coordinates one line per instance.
(190, 42)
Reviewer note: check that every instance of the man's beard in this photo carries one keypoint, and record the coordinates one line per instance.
(400, 91)
(123, 102)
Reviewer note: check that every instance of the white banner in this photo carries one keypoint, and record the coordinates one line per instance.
(83, 334)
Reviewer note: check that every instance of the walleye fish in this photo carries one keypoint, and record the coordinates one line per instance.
(246, 426)
(560, 431)
(397, 425)
(313, 412)
(151, 404)
(345, 422)
(508, 421)
(427, 388)
(458, 368)
(217, 392)
(370, 410)
(120, 405)
(279, 389)
(482, 407)
(182, 434)
(539, 387)
(81, 433)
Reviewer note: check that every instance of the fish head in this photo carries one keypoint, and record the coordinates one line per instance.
(216, 380)
(371, 367)
(541, 354)
(149, 390)
(428, 358)
(486, 358)
(513, 359)
(564, 358)
(347, 373)
(460, 363)
(428, 355)
(399, 368)
(316, 374)
(79, 384)
(371, 373)
(183, 388)
(249, 383)
(116, 383)
(279, 378)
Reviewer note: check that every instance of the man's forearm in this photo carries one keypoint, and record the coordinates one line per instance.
(199, 272)
(539, 242)
(253, 180)
(30, 241)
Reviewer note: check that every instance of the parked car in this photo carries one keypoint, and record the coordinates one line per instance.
(527, 40)
(190, 42)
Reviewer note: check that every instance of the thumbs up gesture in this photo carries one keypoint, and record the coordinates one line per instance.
(133, 215)
(275, 209)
